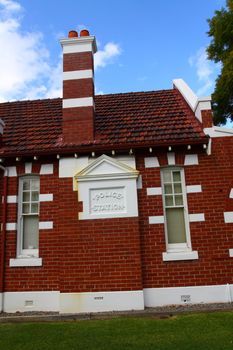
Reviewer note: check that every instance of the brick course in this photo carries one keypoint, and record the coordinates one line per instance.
(77, 61)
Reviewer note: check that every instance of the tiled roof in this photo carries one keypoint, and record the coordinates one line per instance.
(156, 118)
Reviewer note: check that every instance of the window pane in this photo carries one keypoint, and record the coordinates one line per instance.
(168, 189)
(26, 184)
(178, 200)
(176, 176)
(34, 208)
(26, 196)
(35, 185)
(175, 225)
(167, 176)
(35, 196)
(177, 188)
(30, 232)
(26, 208)
(169, 201)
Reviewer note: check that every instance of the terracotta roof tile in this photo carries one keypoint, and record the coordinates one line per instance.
(142, 116)
(159, 117)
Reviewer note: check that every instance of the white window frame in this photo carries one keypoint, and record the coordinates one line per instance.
(177, 247)
(25, 253)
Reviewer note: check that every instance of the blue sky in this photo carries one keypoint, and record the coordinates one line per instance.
(143, 44)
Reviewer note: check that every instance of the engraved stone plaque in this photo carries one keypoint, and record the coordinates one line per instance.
(107, 200)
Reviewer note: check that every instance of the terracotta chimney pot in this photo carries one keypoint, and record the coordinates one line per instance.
(84, 32)
(73, 34)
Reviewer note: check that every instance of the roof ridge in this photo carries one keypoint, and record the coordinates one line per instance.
(135, 92)
(35, 100)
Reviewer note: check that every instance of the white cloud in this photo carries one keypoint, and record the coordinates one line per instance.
(55, 81)
(205, 71)
(26, 68)
(24, 59)
(105, 56)
(9, 6)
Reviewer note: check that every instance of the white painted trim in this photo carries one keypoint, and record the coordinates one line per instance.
(101, 301)
(231, 253)
(78, 102)
(203, 104)
(31, 252)
(151, 162)
(209, 147)
(78, 74)
(105, 167)
(21, 262)
(45, 225)
(196, 104)
(154, 191)
(81, 44)
(170, 256)
(231, 193)
(1, 294)
(191, 159)
(46, 169)
(12, 171)
(171, 158)
(92, 210)
(48, 197)
(139, 182)
(228, 217)
(11, 226)
(193, 189)
(28, 168)
(68, 167)
(12, 199)
(187, 93)
(196, 217)
(185, 245)
(156, 219)
(31, 301)
(217, 131)
(222, 129)
(127, 160)
(198, 294)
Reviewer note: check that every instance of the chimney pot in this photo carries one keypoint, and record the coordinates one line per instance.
(73, 34)
(84, 32)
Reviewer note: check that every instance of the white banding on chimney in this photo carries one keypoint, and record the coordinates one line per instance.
(82, 44)
(78, 102)
(78, 74)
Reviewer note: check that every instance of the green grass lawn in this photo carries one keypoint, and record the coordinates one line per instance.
(193, 331)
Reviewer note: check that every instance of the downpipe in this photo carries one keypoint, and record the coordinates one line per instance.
(3, 247)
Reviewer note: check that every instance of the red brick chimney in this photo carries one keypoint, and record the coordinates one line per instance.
(78, 87)
(204, 112)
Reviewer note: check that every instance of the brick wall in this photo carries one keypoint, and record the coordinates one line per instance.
(126, 253)
(78, 256)
(35, 278)
(211, 238)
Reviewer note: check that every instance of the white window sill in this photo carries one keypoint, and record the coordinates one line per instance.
(193, 255)
(21, 262)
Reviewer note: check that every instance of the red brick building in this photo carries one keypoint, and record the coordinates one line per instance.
(113, 202)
